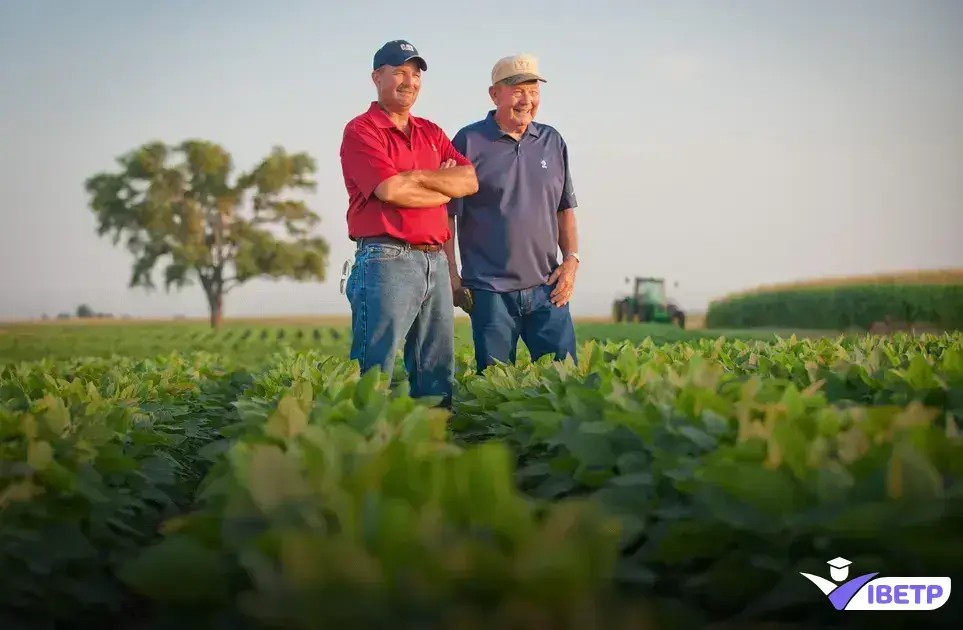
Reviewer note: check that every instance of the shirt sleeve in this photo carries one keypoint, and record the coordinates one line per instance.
(568, 190)
(450, 151)
(456, 150)
(364, 159)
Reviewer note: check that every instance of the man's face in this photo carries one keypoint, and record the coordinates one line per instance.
(398, 85)
(516, 103)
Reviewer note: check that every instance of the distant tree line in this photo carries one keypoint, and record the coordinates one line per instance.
(83, 312)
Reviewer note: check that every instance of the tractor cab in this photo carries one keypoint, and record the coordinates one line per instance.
(650, 290)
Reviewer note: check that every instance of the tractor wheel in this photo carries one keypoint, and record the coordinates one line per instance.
(617, 311)
(627, 314)
(647, 313)
(679, 320)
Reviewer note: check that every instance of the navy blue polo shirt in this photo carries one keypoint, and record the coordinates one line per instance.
(508, 230)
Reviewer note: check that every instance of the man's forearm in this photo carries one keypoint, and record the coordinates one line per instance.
(449, 248)
(455, 182)
(420, 197)
(567, 231)
(406, 191)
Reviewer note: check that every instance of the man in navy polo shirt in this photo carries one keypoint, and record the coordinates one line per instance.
(400, 171)
(510, 231)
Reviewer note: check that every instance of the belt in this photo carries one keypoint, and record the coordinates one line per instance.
(390, 240)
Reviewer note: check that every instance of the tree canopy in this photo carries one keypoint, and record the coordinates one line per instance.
(177, 206)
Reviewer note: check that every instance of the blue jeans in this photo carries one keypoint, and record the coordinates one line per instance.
(499, 319)
(400, 295)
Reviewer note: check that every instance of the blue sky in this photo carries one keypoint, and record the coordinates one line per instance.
(718, 144)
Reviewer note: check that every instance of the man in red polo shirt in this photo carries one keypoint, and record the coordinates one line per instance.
(400, 172)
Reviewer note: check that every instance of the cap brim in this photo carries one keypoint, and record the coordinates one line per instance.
(522, 78)
(421, 62)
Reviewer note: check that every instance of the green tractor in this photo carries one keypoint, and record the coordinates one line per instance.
(648, 303)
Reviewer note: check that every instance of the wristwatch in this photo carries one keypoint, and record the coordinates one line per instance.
(573, 255)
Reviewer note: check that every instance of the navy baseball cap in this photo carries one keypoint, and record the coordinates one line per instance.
(396, 53)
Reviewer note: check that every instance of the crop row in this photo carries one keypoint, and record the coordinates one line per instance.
(861, 307)
(143, 341)
(671, 485)
(253, 344)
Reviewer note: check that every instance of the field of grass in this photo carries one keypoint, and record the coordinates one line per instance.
(159, 475)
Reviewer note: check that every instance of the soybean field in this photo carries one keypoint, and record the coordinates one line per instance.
(168, 476)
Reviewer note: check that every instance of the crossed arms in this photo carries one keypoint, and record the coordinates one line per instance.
(421, 189)
(366, 162)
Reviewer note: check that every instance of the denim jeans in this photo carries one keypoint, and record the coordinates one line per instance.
(499, 319)
(400, 295)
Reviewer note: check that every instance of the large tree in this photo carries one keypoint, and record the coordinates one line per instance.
(178, 206)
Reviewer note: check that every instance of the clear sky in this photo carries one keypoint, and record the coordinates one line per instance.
(717, 144)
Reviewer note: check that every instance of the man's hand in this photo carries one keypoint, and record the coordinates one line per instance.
(449, 163)
(460, 296)
(564, 280)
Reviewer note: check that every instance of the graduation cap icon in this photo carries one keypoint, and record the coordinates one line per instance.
(839, 568)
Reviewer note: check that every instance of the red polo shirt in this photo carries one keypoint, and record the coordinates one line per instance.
(374, 149)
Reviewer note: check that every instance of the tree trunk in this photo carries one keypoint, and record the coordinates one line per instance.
(216, 303)
(216, 291)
